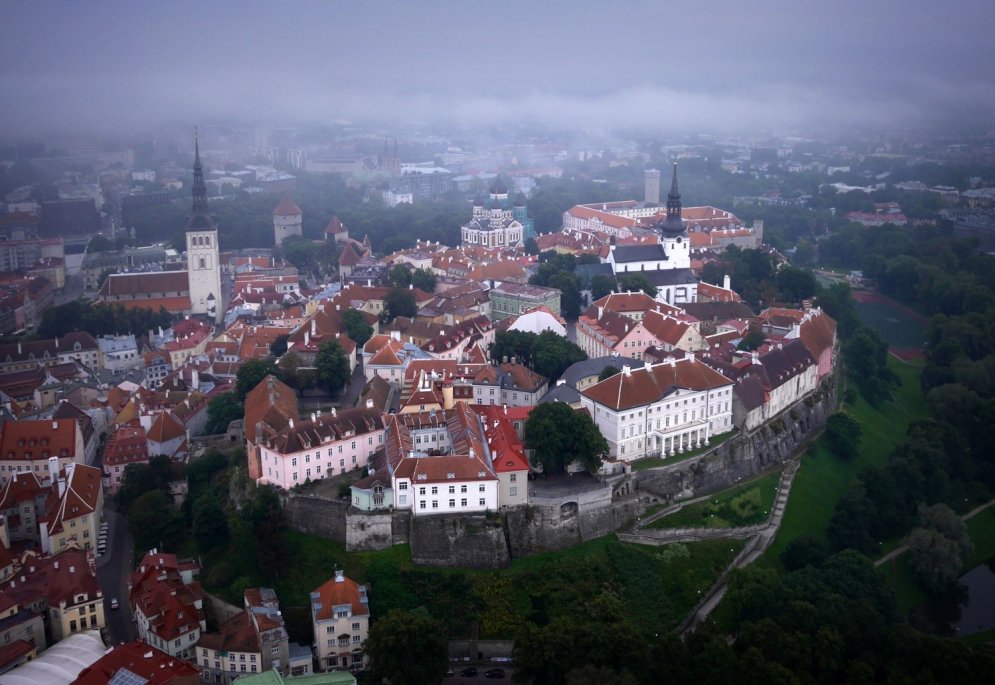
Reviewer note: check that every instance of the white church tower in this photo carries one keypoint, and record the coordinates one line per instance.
(288, 220)
(203, 260)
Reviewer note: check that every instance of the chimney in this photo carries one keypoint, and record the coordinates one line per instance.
(626, 370)
(339, 576)
(755, 357)
(55, 425)
(727, 282)
(369, 403)
(313, 331)
(53, 468)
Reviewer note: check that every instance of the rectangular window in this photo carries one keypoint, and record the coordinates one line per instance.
(435, 490)
(483, 502)
(452, 503)
(482, 488)
(355, 626)
(462, 502)
(513, 491)
(421, 491)
(513, 478)
(452, 489)
(462, 489)
(435, 504)
(421, 504)
(403, 486)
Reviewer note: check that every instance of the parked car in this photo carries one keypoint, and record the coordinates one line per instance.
(494, 673)
(469, 672)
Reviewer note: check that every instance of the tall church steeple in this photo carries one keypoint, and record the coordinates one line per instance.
(199, 188)
(674, 198)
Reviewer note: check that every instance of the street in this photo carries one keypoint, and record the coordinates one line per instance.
(112, 571)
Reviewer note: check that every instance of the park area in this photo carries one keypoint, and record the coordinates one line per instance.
(742, 505)
(902, 328)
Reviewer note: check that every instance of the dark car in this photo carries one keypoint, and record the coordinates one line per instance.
(494, 673)
(469, 672)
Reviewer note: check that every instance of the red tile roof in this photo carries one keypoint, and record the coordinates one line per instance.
(155, 667)
(643, 386)
(36, 440)
(273, 403)
(166, 427)
(336, 592)
(126, 445)
(287, 207)
(81, 497)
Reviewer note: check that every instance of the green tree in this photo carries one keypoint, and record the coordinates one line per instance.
(531, 246)
(356, 327)
(602, 285)
(843, 435)
(795, 284)
(424, 279)
(558, 436)
(399, 303)
(154, 521)
(408, 648)
(552, 354)
(252, 374)
(332, 366)
(805, 550)
(636, 282)
(210, 527)
(400, 276)
(221, 411)
(751, 341)
(279, 345)
(99, 243)
(140, 479)
(608, 372)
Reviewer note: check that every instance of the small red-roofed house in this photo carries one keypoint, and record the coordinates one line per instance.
(511, 463)
(340, 616)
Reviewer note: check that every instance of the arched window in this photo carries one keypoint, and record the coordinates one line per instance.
(203, 264)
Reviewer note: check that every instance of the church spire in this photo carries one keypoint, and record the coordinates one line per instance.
(199, 188)
(674, 198)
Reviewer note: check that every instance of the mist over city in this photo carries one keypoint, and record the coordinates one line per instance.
(683, 66)
(552, 343)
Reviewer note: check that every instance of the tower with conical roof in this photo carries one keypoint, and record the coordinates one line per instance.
(288, 220)
(203, 260)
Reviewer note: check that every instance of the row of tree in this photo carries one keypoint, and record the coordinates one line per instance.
(100, 319)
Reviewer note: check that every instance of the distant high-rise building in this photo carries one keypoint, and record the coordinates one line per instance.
(652, 186)
(203, 262)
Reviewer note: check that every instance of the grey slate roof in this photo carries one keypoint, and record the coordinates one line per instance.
(669, 277)
(638, 253)
(590, 367)
(561, 393)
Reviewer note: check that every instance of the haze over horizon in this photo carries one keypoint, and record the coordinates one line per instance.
(714, 66)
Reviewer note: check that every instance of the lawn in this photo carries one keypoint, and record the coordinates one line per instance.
(823, 477)
(654, 462)
(742, 505)
(896, 326)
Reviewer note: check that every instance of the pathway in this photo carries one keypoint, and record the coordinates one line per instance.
(898, 551)
(759, 536)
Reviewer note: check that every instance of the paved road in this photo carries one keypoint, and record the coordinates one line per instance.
(112, 569)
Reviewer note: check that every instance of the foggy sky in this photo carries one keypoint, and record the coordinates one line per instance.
(729, 65)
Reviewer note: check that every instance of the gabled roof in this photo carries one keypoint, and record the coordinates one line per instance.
(638, 253)
(272, 402)
(81, 497)
(639, 387)
(165, 427)
(146, 283)
(665, 328)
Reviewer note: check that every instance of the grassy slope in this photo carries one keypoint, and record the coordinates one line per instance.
(699, 514)
(823, 478)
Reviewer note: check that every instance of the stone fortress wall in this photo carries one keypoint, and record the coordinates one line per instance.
(551, 523)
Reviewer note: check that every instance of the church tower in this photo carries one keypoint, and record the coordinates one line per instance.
(288, 220)
(203, 262)
(673, 232)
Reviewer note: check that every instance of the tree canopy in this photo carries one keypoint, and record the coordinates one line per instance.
(399, 302)
(221, 411)
(251, 374)
(547, 353)
(558, 436)
(332, 366)
(356, 327)
(408, 648)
